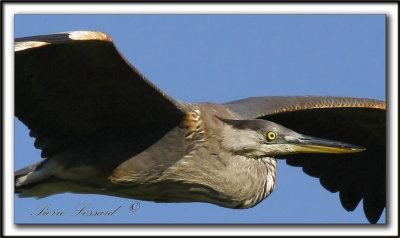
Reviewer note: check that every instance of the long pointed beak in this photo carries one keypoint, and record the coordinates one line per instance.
(309, 144)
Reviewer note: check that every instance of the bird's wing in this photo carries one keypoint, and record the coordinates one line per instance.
(353, 120)
(69, 86)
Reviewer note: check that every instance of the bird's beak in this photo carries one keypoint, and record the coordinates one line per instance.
(309, 144)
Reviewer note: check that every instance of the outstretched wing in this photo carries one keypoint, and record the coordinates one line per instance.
(71, 86)
(357, 121)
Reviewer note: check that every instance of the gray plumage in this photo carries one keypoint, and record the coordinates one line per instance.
(104, 128)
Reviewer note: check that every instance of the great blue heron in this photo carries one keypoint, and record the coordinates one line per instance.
(104, 128)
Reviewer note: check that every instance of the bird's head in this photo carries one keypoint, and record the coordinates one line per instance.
(260, 138)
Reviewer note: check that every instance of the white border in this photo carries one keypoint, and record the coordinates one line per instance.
(262, 8)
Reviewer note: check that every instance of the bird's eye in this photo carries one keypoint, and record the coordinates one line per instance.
(271, 135)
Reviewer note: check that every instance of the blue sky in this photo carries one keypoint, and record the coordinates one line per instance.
(219, 58)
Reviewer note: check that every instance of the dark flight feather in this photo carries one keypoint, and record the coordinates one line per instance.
(78, 94)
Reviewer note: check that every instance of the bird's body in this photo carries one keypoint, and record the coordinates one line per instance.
(120, 135)
(189, 164)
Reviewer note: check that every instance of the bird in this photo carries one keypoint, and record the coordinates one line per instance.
(104, 128)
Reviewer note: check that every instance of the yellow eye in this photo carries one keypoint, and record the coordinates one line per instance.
(271, 135)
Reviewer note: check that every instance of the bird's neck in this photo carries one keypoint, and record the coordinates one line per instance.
(228, 179)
